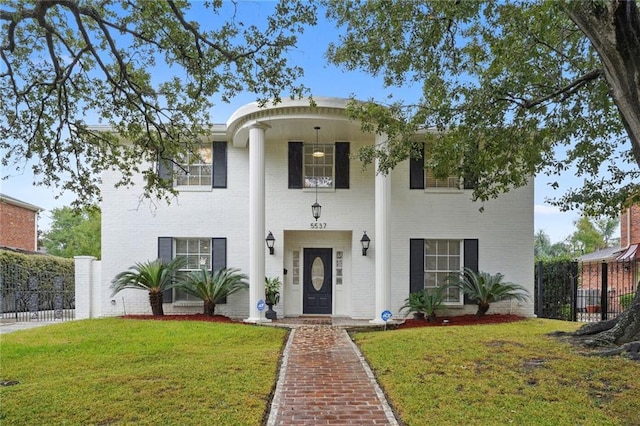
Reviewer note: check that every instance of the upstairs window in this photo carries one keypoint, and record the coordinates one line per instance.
(329, 169)
(318, 166)
(204, 166)
(449, 182)
(196, 167)
(421, 176)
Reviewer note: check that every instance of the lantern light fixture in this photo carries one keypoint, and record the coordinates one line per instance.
(315, 207)
(270, 240)
(365, 241)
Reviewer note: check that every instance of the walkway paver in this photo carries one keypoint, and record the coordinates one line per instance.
(325, 381)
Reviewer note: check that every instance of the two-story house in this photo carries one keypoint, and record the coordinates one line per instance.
(287, 172)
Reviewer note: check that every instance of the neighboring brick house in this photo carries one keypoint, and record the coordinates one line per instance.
(259, 174)
(623, 274)
(18, 224)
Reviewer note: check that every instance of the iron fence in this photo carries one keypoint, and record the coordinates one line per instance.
(585, 291)
(28, 295)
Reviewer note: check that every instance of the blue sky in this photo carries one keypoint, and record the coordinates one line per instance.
(323, 80)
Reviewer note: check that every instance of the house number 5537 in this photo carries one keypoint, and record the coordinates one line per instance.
(318, 225)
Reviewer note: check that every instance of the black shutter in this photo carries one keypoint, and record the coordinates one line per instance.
(416, 265)
(219, 165)
(165, 253)
(295, 165)
(416, 171)
(470, 261)
(342, 165)
(165, 170)
(470, 181)
(470, 178)
(219, 256)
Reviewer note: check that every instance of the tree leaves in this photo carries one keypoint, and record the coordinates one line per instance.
(145, 69)
(519, 84)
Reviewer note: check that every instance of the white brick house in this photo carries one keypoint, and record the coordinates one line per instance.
(264, 180)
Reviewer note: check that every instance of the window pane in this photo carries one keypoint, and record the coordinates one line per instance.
(454, 248)
(431, 263)
(443, 263)
(443, 248)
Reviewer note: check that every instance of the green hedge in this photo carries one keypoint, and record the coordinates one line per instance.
(37, 263)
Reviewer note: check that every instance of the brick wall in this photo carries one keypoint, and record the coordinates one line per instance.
(17, 227)
(630, 226)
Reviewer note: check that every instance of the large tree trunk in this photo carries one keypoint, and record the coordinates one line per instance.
(155, 300)
(624, 331)
(613, 27)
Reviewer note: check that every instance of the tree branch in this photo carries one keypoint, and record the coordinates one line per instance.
(564, 92)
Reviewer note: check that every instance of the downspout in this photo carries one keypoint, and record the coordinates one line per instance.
(628, 227)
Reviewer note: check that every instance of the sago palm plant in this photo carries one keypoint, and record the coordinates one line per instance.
(212, 287)
(486, 288)
(154, 276)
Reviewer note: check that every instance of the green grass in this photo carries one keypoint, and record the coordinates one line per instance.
(500, 374)
(115, 371)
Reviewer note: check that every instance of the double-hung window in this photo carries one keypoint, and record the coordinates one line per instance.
(318, 166)
(196, 167)
(443, 258)
(203, 166)
(328, 168)
(197, 255)
(422, 177)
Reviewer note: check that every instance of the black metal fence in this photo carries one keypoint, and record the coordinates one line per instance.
(26, 295)
(585, 291)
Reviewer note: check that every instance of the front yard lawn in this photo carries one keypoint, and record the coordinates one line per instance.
(116, 371)
(500, 374)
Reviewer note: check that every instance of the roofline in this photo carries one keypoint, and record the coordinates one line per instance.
(14, 201)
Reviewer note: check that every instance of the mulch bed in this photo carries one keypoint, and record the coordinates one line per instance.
(471, 319)
(185, 317)
(408, 323)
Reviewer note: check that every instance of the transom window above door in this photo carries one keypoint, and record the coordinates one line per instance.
(318, 166)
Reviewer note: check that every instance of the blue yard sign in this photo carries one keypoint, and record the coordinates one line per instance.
(261, 305)
(386, 315)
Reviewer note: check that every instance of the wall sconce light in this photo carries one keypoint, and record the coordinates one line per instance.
(270, 240)
(365, 241)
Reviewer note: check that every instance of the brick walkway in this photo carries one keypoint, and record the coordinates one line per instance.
(325, 381)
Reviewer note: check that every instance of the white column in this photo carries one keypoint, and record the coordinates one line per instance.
(382, 241)
(257, 235)
(84, 284)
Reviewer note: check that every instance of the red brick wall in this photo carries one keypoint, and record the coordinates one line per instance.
(17, 227)
(634, 226)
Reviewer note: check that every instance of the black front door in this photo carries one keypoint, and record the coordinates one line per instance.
(317, 281)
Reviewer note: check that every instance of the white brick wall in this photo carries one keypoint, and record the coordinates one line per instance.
(130, 229)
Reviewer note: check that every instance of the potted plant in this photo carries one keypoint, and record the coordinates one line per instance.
(593, 309)
(272, 295)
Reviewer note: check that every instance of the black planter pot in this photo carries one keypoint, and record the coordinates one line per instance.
(271, 314)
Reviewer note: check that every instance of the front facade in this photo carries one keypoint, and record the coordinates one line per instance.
(18, 224)
(257, 174)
